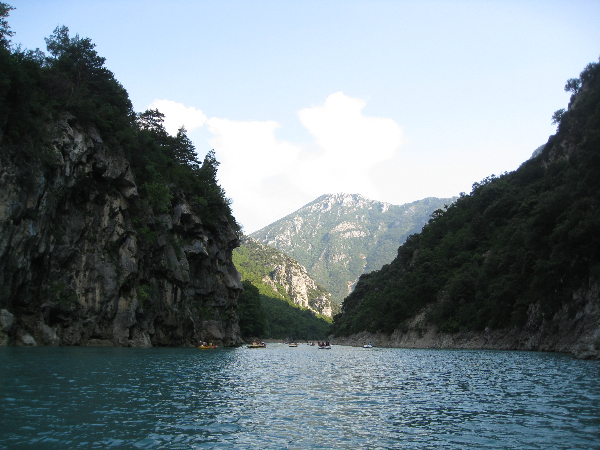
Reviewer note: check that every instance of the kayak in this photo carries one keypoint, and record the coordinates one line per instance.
(207, 347)
(263, 345)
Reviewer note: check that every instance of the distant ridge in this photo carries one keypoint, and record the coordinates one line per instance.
(338, 237)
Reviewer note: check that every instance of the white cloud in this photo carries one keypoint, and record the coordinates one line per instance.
(251, 144)
(351, 144)
(253, 168)
(340, 129)
(176, 115)
(268, 178)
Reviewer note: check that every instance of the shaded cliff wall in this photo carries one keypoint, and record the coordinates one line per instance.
(83, 261)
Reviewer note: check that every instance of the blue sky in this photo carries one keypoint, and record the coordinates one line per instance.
(395, 100)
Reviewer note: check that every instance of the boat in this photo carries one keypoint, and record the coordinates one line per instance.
(293, 344)
(206, 346)
(369, 345)
(257, 345)
(324, 347)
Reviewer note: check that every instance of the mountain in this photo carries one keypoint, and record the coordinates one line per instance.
(286, 277)
(514, 264)
(279, 300)
(338, 237)
(112, 233)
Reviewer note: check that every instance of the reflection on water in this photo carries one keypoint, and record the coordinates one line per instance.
(296, 398)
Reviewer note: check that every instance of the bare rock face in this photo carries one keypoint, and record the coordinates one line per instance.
(299, 286)
(6, 322)
(289, 275)
(84, 262)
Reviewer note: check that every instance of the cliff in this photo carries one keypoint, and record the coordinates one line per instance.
(284, 275)
(84, 261)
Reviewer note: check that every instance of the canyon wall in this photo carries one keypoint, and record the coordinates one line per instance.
(84, 261)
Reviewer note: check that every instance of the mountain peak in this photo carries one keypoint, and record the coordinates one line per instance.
(340, 236)
(349, 201)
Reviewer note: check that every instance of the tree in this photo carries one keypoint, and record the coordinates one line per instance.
(252, 316)
(184, 150)
(151, 120)
(5, 32)
(77, 79)
(209, 167)
(76, 56)
(557, 116)
(573, 85)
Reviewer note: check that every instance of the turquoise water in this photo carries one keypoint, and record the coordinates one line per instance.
(296, 398)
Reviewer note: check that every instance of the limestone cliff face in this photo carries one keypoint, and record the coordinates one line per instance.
(299, 286)
(84, 262)
(286, 274)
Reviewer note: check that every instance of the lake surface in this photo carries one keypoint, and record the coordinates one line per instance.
(296, 398)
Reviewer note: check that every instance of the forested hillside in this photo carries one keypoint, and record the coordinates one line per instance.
(338, 237)
(73, 84)
(279, 300)
(520, 243)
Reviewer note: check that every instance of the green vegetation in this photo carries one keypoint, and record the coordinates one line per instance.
(529, 236)
(266, 311)
(253, 322)
(72, 84)
(343, 236)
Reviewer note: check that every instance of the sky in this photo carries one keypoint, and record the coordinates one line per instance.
(394, 100)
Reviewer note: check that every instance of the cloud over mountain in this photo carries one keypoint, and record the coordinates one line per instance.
(266, 177)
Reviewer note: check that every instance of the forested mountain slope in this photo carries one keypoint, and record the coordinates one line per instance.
(520, 252)
(262, 264)
(338, 237)
(112, 232)
(279, 300)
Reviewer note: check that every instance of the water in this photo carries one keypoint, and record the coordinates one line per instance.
(296, 398)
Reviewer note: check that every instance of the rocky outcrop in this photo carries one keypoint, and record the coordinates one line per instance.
(300, 287)
(567, 332)
(83, 261)
(285, 273)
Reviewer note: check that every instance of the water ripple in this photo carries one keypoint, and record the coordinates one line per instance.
(296, 398)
